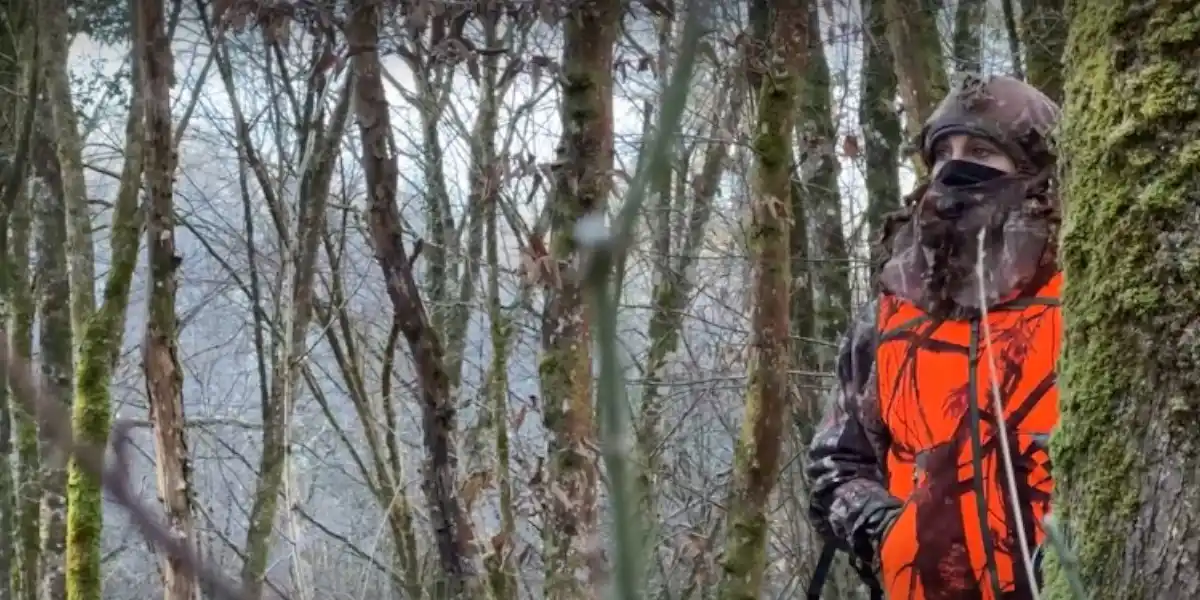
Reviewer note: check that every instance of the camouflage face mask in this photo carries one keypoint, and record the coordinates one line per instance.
(933, 249)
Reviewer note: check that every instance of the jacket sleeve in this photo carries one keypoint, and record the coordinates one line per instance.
(849, 503)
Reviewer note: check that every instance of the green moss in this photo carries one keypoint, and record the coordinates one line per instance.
(91, 416)
(1129, 254)
(748, 533)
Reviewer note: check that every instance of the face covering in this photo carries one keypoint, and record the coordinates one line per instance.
(964, 185)
(965, 173)
(934, 249)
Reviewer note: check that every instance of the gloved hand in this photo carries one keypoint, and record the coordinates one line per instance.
(880, 526)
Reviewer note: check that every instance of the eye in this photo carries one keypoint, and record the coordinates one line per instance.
(982, 152)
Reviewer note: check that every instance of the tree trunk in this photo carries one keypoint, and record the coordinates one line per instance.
(920, 69)
(99, 334)
(880, 124)
(20, 74)
(572, 551)
(485, 194)
(500, 560)
(817, 156)
(1013, 38)
(1125, 451)
(55, 339)
(968, 35)
(1044, 31)
(10, 116)
(757, 458)
(454, 535)
(15, 247)
(54, 38)
(160, 356)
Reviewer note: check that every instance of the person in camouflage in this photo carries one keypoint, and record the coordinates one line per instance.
(912, 471)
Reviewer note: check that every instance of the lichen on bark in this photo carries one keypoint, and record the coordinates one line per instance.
(1126, 449)
(757, 455)
(583, 182)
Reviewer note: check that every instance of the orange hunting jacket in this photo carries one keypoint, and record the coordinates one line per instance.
(906, 465)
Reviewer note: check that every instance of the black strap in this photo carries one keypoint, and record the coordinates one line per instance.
(821, 573)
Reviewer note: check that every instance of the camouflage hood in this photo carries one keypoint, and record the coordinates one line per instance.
(931, 248)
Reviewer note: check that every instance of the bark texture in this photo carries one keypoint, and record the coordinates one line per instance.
(821, 210)
(453, 533)
(583, 181)
(1126, 451)
(880, 124)
(757, 458)
(916, 48)
(160, 353)
(98, 331)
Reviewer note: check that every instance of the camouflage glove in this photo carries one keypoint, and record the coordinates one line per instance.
(880, 524)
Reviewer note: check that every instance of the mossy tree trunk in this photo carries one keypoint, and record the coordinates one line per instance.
(43, 521)
(27, 565)
(55, 340)
(816, 155)
(916, 48)
(19, 73)
(21, 560)
(99, 331)
(1044, 32)
(880, 123)
(160, 352)
(1127, 449)
(757, 458)
(968, 35)
(571, 540)
(500, 559)
(453, 531)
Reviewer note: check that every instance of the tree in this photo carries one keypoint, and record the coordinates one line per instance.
(1044, 31)
(160, 357)
(18, 491)
(916, 48)
(880, 124)
(98, 331)
(675, 275)
(1125, 451)
(757, 459)
(315, 145)
(582, 183)
(968, 35)
(817, 203)
(456, 548)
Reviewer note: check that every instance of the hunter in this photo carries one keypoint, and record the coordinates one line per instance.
(908, 466)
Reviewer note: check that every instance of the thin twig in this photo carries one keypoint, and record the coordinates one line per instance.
(1002, 427)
